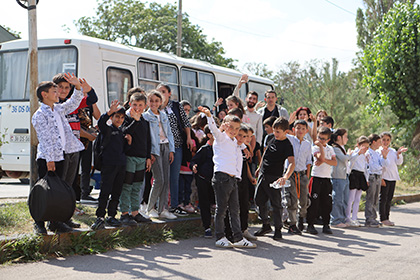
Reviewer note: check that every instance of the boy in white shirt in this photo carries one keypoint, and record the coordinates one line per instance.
(227, 170)
(324, 157)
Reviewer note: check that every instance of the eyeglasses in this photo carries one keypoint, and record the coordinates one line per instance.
(322, 139)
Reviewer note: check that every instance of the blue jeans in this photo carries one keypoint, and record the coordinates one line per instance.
(340, 195)
(174, 176)
(184, 193)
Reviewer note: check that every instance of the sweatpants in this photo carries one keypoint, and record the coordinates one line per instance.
(385, 198)
(112, 178)
(263, 193)
(226, 192)
(321, 199)
(372, 197)
(160, 186)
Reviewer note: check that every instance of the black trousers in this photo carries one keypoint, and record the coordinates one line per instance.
(243, 194)
(385, 198)
(112, 179)
(321, 200)
(147, 186)
(85, 170)
(205, 199)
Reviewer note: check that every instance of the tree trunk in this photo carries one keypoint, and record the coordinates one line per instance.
(415, 143)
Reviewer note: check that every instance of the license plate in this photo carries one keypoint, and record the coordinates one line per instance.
(19, 138)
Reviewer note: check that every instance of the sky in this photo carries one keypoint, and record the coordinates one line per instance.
(271, 32)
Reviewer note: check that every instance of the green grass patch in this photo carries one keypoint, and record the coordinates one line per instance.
(15, 218)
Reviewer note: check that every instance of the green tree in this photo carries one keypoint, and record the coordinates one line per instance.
(14, 33)
(153, 27)
(368, 21)
(391, 67)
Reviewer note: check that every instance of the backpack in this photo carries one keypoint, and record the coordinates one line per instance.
(98, 148)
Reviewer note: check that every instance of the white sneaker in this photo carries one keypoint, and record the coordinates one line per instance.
(224, 243)
(143, 208)
(153, 214)
(244, 243)
(167, 215)
(249, 235)
(357, 224)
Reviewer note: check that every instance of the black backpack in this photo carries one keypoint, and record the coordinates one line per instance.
(98, 148)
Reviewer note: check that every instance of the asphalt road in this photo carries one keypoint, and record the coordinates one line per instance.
(359, 253)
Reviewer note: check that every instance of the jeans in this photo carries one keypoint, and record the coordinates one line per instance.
(184, 192)
(226, 191)
(205, 200)
(340, 196)
(372, 197)
(112, 178)
(174, 177)
(264, 193)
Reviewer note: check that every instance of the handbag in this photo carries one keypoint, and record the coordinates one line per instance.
(51, 199)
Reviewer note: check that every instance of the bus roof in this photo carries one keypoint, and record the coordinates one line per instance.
(80, 40)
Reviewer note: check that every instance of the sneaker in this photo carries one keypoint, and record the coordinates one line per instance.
(208, 233)
(224, 243)
(72, 224)
(244, 243)
(167, 215)
(311, 229)
(143, 208)
(278, 235)
(294, 230)
(113, 222)
(300, 224)
(372, 224)
(249, 235)
(327, 230)
(59, 227)
(178, 212)
(153, 214)
(388, 223)
(139, 218)
(340, 225)
(189, 209)
(88, 199)
(352, 223)
(266, 228)
(128, 220)
(39, 228)
(98, 224)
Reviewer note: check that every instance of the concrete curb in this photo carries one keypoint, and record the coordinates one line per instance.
(407, 198)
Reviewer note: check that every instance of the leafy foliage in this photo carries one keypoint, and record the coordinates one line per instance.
(153, 27)
(14, 33)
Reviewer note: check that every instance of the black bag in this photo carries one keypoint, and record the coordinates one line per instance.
(51, 199)
(98, 148)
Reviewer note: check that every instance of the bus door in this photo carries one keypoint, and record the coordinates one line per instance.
(118, 79)
(14, 100)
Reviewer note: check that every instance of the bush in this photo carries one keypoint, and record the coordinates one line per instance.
(410, 170)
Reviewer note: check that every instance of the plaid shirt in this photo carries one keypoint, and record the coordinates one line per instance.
(173, 121)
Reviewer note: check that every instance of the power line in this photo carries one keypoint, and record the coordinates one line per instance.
(341, 8)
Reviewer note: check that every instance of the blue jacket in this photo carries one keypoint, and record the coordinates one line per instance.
(154, 130)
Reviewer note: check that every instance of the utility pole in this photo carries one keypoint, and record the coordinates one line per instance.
(179, 34)
(33, 79)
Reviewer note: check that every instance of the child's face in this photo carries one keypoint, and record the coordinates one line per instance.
(241, 137)
(117, 120)
(300, 130)
(165, 93)
(222, 115)
(249, 137)
(363, 145)
(375, 144)
(138, 106)
(154, 103)
(323, 139)
(63, 89)
(268, 129)
(210, 136)
(187, 109)
(279, 134)
(320, 116)
(50, 96)
(386, 141)
(303, 115)
(345, 138)
(231, 105)
(324, 124)
(232, 129)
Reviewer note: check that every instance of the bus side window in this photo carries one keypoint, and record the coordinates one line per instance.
(118, 82)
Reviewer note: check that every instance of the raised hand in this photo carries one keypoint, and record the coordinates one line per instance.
(204, 110)
(259, 105)
(114, 107)
(128, 138)
(85, 86)
(72, 79)
(219, 102)
(244, 79)
(402, 150)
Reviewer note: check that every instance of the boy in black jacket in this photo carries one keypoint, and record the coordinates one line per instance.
(113, 165)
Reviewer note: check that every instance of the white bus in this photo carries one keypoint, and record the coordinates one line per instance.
(112, 69)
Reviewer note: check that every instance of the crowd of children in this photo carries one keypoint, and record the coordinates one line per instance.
(297, 167)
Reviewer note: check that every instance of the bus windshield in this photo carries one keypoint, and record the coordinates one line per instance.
(14, 69)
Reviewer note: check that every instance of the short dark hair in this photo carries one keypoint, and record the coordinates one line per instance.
(362, 140)
(156, 93)
(232, 118)
(59, 78)
(269, 121)
(324, 131)
(338, 132)
(165, 86)
(137, 96)
(43, 87)
(302, 122)
(386, 133)
(237, 112)
(253, 92)
(244, 128)
(184, 103)
(373, 137)
(329, 120)
(269, 91)
(281, 123)
(120, 111)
